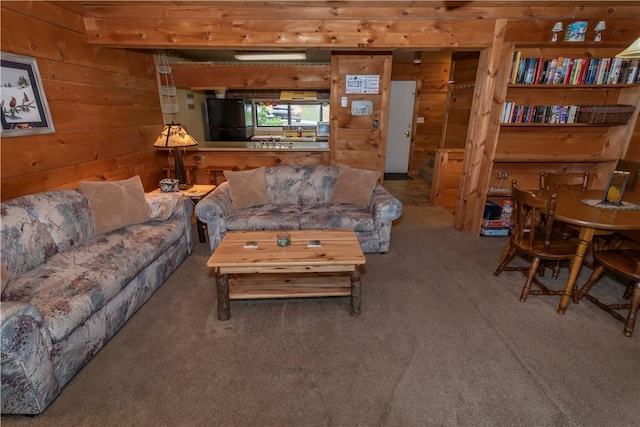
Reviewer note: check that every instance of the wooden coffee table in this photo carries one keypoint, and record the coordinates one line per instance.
(271, 271)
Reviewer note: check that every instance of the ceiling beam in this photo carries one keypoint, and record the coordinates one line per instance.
(350, 25)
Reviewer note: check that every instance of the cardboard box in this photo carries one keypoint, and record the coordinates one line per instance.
(504, 231)
(495, 223)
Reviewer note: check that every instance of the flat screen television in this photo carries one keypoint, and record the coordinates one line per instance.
(322, 130)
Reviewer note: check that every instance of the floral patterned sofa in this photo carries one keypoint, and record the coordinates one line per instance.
(66, 290)
(303, 197)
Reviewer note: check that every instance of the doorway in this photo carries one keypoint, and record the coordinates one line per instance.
(401, 104)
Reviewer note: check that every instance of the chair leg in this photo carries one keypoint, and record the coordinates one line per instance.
(597, 272)
(633, 311)
(507, 256)
(532, 273)
(556, 270)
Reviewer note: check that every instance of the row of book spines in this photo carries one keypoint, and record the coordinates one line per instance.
(560, 114)
(574, 71)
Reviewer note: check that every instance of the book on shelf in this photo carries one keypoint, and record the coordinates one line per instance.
(616, 65)
(604, 64)
(532, 68)
(568, 70)
(573, 113)
(591, 71)
(632, 77)
(557, 77)
(538, 74)
(515, 65)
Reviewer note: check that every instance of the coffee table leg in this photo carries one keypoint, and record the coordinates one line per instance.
(355, 291)
(224, 312)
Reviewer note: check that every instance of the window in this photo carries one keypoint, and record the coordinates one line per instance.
(271, 113)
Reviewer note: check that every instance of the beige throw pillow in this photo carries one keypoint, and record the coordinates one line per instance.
(116, 204)
(248, 188)
(354, 186)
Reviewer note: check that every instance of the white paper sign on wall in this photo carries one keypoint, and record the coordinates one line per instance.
(362, 83)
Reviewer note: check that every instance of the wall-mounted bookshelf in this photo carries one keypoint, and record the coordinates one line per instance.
(540, 125)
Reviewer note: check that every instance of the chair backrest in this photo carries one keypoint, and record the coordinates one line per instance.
(532, 217)
(555, 181)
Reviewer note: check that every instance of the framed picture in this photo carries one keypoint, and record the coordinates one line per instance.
(24, 106)
(615, 188)
(576, 31)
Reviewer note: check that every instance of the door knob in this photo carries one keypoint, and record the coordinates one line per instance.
(407, 133)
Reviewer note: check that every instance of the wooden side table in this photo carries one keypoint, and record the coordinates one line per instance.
(189, 170)
(196, 193)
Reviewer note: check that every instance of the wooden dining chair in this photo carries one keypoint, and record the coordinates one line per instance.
(625, 262)
(572, 181)
(532, 221)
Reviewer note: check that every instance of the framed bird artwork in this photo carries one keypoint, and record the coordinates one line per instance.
(24, 106)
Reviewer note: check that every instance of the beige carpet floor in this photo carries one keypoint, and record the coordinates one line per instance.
(440, 342)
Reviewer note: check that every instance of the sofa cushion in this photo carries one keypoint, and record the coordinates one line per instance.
(74, 284)
(116, 204)
(300, 185)
(266, 217)
(354, 186)
(248, 188)
(336, 216)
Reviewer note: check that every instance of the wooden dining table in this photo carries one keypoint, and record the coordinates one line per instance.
(591, 221)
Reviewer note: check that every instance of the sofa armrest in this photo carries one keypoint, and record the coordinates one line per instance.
(216, 204)
(28, 379)
(384, 207)
(212, 211)
(183, 212)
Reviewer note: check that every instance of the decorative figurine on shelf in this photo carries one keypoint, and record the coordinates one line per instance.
(557, 28)
(600, 27)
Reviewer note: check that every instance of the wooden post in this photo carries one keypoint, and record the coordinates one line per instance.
(482, 133)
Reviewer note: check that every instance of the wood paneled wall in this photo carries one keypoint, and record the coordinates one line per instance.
(359, 141)
(104, 104)
(464, 67)
(104, 100)
(633, 151)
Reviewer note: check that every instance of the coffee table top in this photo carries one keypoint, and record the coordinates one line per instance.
(338, 247)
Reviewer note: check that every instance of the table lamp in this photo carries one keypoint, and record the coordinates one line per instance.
(175, 136)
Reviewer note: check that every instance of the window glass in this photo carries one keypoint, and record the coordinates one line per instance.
(278, 113)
